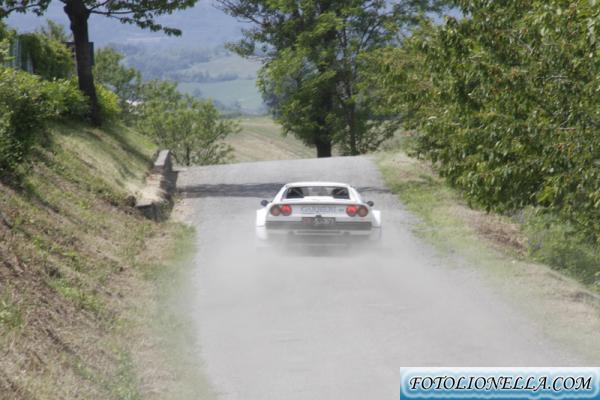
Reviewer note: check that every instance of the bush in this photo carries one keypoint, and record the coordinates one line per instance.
(27, 103)
(51, 58)
(22, 114)
(562, 246)
(64, 99)
(109, 103)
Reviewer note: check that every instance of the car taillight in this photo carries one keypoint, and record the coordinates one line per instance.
(351, 211)
(285, 210)
(363, 211)
(275, 211)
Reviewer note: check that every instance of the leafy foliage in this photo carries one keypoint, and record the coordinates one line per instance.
(191, 128)
(507, 104)
(55, 31)
(313, 74)
(124, 82)
(563, 246)
(51, 58)
(63, 99)
(110, 103)
(5, 38)
(26, 103)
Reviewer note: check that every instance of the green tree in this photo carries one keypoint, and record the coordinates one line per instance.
(142, 13)
(124, 82)
(506, 104)
(313, 63)
(191, 128)
(55, 31)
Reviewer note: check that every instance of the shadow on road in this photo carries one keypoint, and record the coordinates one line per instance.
(259, 190)
(372, 189)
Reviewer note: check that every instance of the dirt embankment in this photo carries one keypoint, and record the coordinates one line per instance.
(75, 292)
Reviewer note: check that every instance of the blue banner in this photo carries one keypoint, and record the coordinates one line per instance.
(500, 383)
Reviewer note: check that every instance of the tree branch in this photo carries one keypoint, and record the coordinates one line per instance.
(20, 8)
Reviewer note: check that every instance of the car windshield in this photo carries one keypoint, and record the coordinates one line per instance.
(298, 192)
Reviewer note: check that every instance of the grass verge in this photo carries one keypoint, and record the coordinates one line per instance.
(166, 324)
(506, 250)
(452, 224)
(81, 272)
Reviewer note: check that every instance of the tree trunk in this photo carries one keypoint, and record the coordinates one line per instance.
(323, 147)
(188, 156)
(326, 104)
(352, 128)
(78, 15)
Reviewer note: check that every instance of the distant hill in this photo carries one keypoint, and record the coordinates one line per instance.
(213, 73)
(196, 60)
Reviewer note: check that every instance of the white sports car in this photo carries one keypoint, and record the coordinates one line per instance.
(317, 213)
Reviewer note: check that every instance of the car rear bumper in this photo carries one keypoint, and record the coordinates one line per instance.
(319, 236)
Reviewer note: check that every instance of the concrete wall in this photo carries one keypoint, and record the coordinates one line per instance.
(156, 201)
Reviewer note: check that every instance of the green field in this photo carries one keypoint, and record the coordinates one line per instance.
(231, 63)
(260, 139)
(242, 92)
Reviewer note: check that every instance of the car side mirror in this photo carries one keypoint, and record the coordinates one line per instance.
(264, 203)
(370, 203)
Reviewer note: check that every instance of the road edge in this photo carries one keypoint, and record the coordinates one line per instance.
(529, 285)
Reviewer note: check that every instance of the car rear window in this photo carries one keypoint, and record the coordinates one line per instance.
(298, 192)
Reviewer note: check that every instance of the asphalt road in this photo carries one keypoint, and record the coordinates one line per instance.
(337, 325)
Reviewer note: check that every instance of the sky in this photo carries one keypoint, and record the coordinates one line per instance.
(203, 26)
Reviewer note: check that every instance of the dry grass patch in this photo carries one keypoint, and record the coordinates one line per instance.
(261, 139)
(75, 293)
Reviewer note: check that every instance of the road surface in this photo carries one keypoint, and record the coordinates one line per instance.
(337, 326)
